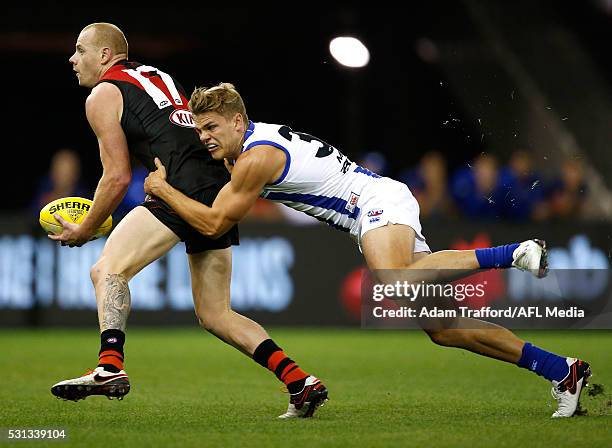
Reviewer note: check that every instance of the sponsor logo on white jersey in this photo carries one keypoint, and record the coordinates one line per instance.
(375, 212)
(352, 202)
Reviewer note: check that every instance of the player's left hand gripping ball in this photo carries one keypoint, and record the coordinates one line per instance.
(61, 219)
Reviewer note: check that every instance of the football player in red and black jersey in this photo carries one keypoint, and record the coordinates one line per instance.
(138, 109)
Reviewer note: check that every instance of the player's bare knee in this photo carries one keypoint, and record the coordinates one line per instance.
(204, 321)
(96, 272)
(103, 267)
(443, 337)
(211, 322)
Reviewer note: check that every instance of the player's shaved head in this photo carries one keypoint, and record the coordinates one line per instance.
(108, 35)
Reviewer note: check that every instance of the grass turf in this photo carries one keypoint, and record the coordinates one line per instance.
(386, 388)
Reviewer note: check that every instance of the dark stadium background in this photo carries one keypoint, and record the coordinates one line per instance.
(278, 57)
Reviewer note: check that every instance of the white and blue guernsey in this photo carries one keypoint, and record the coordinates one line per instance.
(318, 179)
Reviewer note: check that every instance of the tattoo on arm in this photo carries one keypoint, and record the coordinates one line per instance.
(116, 303)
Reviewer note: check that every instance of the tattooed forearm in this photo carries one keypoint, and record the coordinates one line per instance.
(116, 303)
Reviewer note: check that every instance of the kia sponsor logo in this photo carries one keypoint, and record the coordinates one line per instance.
(182, 117)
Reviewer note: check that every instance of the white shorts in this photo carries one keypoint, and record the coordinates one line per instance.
(387, 201)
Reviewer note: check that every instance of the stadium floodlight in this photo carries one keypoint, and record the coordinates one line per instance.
(349, 51)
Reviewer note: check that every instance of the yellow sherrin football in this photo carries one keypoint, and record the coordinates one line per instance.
(72, 209)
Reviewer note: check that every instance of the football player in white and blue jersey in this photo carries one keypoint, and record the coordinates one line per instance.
(380, 214)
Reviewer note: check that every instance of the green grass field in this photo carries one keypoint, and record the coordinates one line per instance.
(386, 389)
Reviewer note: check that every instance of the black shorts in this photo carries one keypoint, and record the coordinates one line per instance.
(195, 242)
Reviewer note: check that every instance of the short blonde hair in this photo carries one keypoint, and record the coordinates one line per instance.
(108, 35)
(223, 99)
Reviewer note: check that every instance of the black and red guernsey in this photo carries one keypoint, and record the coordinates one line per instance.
(157, 123)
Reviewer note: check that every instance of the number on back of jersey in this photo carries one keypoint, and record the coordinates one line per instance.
(160, 98)
(323, 151)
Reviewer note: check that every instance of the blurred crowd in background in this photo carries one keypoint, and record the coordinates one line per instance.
(483, 127)
(486, 188)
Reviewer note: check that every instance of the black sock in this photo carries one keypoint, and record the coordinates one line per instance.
(111, 350)
(272, 357)
(264, 351)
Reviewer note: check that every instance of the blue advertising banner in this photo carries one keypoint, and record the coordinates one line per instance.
(282, 274)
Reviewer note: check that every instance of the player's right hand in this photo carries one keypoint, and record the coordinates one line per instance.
(156, 180)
